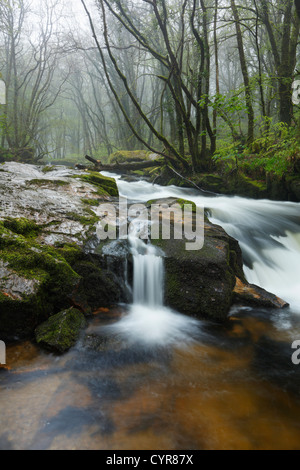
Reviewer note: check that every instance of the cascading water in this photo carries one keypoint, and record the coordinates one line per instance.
(268, 233)
(148, 277)
(148, 321)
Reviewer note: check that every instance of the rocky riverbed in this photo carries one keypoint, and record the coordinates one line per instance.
(53, 266)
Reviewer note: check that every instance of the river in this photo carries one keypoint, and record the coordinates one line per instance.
(166, 381)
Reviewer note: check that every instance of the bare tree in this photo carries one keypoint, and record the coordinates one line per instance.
(29, 67)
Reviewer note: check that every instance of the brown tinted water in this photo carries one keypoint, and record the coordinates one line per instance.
(231, 387)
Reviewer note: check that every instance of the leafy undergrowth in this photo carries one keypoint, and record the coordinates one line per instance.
(276, 152)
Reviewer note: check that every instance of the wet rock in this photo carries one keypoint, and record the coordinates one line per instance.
(200, 283)
(57, 199)
(61, 332)
(98, 287)
(14, 286)
(249, 294)
(34, 280)
(47, 220)
(203, 283)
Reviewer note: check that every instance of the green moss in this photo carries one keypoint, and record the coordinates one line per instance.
(61, 331)
(45, 264)
(90, 202)
(70, 252)
(45, 182)
(184, 202)
(22, 226)
(48, 169)
(39, 262)
(261, 185)
(105, 186)
(85, 220)
(3, 298)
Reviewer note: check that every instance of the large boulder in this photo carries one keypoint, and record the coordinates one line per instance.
(203, 283)
(35, 280)
(48, 217)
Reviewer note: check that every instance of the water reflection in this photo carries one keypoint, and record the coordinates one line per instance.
(233, 387)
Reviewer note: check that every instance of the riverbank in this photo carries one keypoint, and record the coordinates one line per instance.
(237, 183)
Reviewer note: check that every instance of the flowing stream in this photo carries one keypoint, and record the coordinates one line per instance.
(163, 380)
(268, 232)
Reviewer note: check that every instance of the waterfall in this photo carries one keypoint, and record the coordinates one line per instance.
(148, 274)
(148, 322)
(148, 280)
(268, 233)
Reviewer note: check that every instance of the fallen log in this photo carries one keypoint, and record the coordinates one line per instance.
(121, 167)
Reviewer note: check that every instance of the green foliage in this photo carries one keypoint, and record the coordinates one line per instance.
(227, 103)
(5, 155)
(228, 155)
(276, 151)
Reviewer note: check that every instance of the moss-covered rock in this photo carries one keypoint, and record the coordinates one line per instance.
(35, 281)
(202, 283)
(104, 184)
(235, 184)
(61, 331)
(99, 287)
(46, 228)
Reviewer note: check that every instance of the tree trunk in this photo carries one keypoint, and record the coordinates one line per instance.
(244, 72)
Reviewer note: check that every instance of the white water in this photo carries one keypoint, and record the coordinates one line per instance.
(268, 232)
(148, 274)
(148, 321)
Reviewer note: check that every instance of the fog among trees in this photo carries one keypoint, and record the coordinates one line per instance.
(181, 78)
